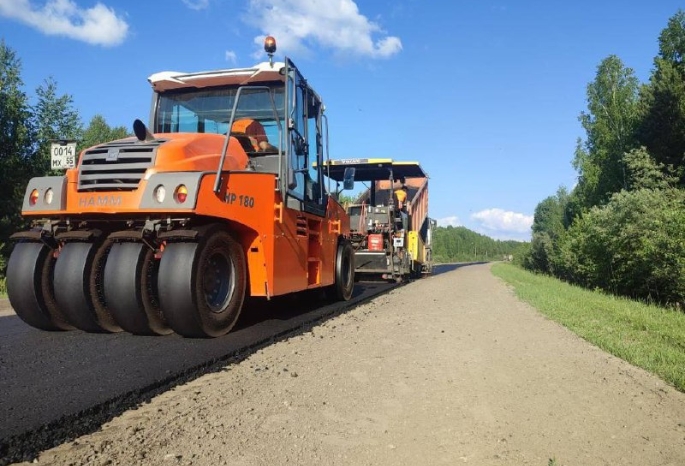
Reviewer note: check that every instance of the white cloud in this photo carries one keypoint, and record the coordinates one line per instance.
(196, 4)
(231, 56)
(449, 221)
(338, 25)
(98, 25)
(504, 223)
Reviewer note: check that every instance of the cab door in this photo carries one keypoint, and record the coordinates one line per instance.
(304, 144)
(298, 251)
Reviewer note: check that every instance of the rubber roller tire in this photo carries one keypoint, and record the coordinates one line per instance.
(202, 285)
(130, 287)
(343, 287)
(78, 286)
(30, 288)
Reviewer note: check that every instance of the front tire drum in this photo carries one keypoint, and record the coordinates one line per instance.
(202, 285)
(73, 271)
(30, 289)
(130, 278)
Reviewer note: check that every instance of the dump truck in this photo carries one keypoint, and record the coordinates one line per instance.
(220, 197)
(391, 237)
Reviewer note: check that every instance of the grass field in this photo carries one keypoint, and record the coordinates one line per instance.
(646, 336)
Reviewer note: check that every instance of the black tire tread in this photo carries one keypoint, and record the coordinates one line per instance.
(126, 290)
(180, 292)
(29, 289)
(72, 290)
(342, 288)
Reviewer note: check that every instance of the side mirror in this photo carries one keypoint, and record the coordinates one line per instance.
(348, 178)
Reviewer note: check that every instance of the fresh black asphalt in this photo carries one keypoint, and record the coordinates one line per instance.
(55, 385)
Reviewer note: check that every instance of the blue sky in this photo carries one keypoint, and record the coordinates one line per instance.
(485, 94)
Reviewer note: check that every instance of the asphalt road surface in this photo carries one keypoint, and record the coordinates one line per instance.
(52, 379)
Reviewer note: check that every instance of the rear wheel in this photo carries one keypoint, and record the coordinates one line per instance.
(130, 289)
(78, 286)
(342, 289)
(202, 285)
(30, 289)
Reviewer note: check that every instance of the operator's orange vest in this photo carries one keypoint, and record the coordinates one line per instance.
(252, 129)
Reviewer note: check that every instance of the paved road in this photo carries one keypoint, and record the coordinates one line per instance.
(49, 378)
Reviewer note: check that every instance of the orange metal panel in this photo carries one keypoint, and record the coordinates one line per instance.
(198, 152)
(246, 200)
(282, 251)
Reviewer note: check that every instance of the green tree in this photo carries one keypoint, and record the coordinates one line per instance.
(633, 246)
(549, 226)
(17, 139)
(550, 214)
(98, 132)
(459, 244)
(55, 119)
(646, 173)
(346, 199)
(540, 255)
(662, 103)
(610, 125)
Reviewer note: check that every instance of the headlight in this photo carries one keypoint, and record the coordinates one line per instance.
(49, 196)
(159, 193)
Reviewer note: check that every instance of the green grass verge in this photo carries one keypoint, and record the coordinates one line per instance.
(3, 288)
(646, 336)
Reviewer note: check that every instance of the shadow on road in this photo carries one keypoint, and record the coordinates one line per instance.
(257, 310)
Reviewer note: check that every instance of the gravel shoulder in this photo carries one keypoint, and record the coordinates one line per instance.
(447, 370)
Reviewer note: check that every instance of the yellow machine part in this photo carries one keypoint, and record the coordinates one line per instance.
(416, 247)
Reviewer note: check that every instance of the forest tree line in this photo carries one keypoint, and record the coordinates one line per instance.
(621, 229)
(27, 127)
(459, 244)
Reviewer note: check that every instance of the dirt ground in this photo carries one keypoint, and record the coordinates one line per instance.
(5, 308)
(448, 370)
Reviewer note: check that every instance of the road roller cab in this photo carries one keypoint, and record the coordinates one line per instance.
(221, 196)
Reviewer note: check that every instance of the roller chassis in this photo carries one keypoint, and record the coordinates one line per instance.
(84, 255)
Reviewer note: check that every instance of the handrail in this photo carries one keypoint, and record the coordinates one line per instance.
(224, 150)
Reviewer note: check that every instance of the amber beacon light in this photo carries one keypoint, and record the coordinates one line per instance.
(270, 45)
(270, 48)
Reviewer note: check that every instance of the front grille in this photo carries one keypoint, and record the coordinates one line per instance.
(116, 166)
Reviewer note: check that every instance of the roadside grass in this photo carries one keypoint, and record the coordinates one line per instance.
(646, 336)
(3, 288)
